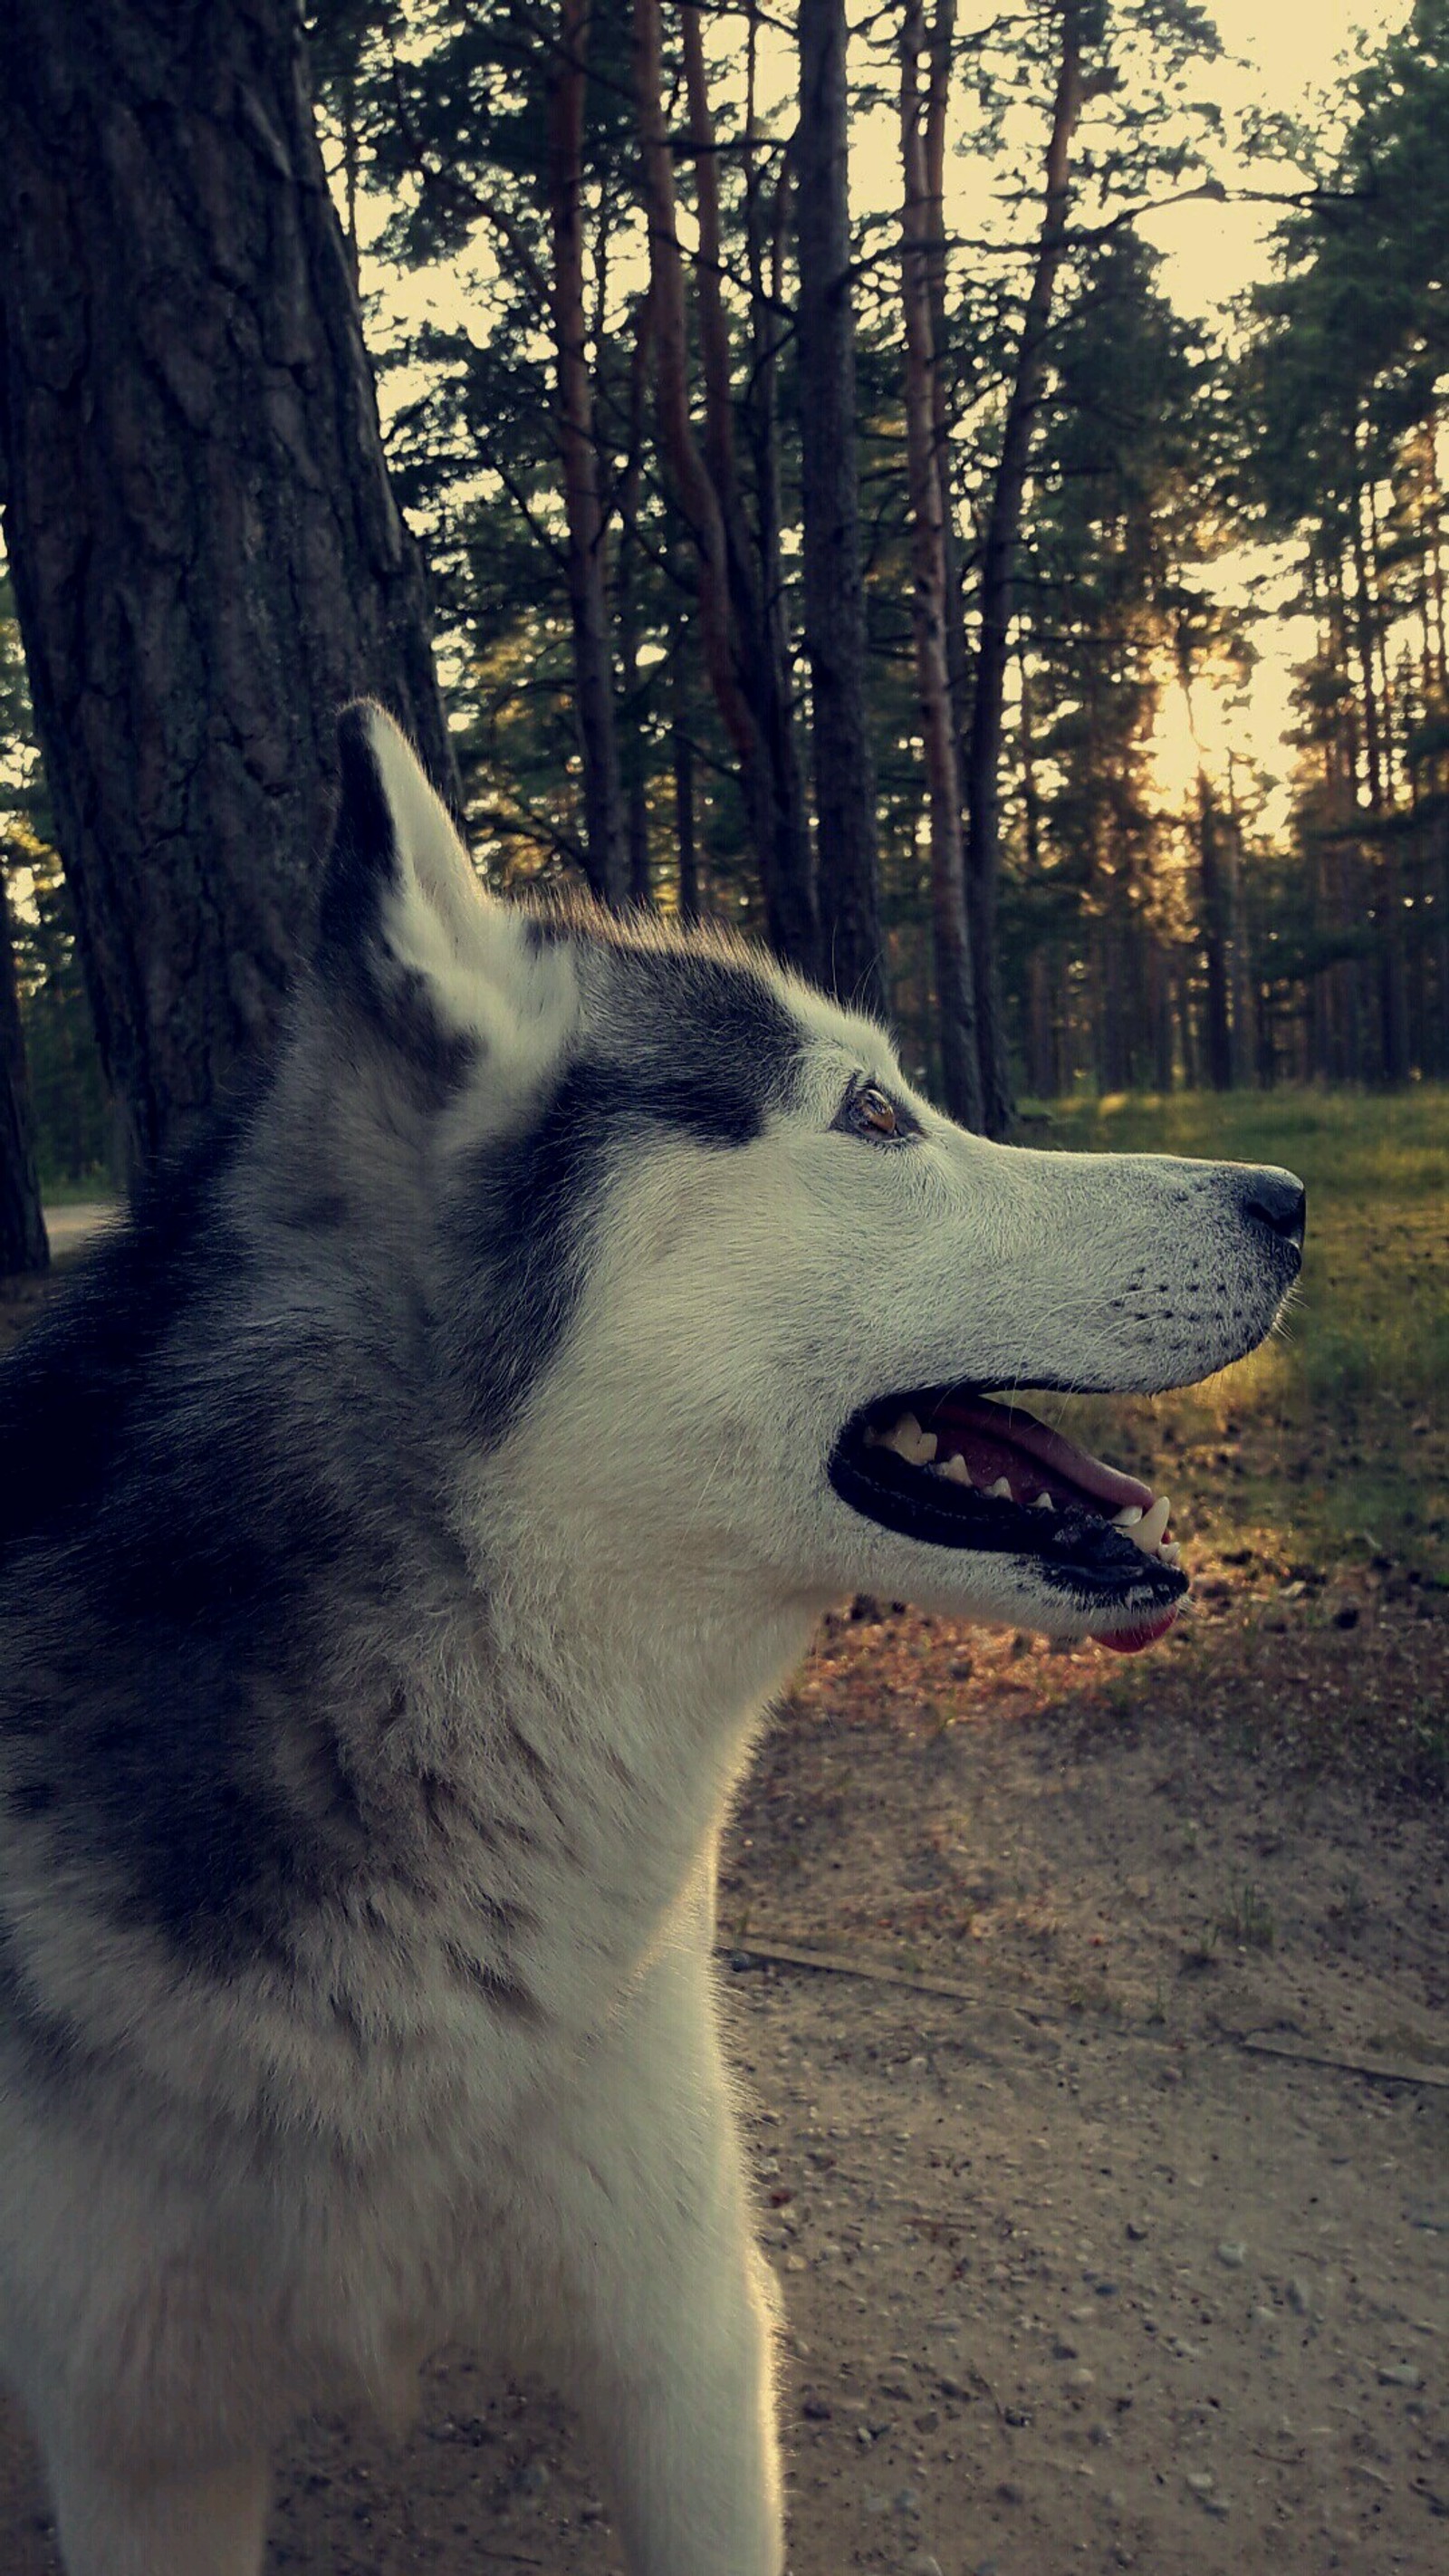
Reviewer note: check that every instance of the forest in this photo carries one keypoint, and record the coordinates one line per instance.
(952, 491)
(824, 515)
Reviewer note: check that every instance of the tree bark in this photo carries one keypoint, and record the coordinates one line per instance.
(1240, 963)
(206, 555)
(23, 1244)
(955, 984)
(782, 824)
(751, 691)
(631, 560)
(834, 587)
(694, 493)
(1393, 997)
(998, 559)
(606, 861)
(684, 820)
(1215, 938)
(940, 47)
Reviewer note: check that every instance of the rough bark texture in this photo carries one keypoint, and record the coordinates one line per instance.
(606, 858)
(998, 561)
(206, 555)
(955, 984)
(835, 629)
(23, 1245)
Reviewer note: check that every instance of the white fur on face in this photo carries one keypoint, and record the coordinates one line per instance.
(744, 1304)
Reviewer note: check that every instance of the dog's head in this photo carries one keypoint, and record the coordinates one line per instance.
(711, 1288)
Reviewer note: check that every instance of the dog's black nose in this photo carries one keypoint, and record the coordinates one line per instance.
(1278, 1200)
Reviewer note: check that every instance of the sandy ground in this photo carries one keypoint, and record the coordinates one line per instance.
(1074, 2279)
(69, 1227)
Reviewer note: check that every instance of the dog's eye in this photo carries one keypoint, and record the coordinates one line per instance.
(872, 1112)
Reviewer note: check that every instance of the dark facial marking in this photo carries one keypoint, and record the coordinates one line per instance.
(694, 1044)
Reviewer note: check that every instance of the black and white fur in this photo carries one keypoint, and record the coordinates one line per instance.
(403, 1528)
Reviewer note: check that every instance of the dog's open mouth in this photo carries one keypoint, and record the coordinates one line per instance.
(956, 1470)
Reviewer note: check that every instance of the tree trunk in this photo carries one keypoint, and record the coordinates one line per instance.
(1392, 962)
(206, 555)
(955, 987)
(835, 625)
(1003, 528)
(940, 45)
(23, 1245)
(774, 787)
(681, 721)
(1240, 964)
(605, 856)
(1215, 938)
(631, 560)
(1436, 549)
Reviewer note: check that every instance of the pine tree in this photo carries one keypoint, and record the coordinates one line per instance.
(206, 553)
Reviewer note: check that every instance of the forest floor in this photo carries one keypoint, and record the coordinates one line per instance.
(1104, 2158)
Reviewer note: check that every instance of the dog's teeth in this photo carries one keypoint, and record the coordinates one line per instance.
(1170, 1552)
(910, 1442)
(1148, 1533)
(957, 1469)
(1000, 1491)
(1043, 1503)
(1129, 1517)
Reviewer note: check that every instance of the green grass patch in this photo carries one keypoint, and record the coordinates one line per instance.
(93, 1189)
(1332, 1442)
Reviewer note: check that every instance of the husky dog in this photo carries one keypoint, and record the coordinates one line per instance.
(403, 1526)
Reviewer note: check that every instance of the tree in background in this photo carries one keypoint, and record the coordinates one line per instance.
(933, 605)
(1342, 406)
(606, 854)
(447, 127)
(746, 643)
(621, 417)
(206, 554)
(834, 617)
(1102, 916)
(71, 1132)
(981, 780)
(23, 1244)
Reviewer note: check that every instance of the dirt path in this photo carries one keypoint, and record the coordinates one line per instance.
(70, 1227)
(1073, 2280)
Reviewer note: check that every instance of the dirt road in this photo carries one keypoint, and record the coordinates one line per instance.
(1074, 2279)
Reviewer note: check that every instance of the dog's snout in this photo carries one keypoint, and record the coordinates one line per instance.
(1279, 1201)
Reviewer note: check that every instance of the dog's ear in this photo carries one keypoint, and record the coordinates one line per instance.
(407, 933)
(398, 882)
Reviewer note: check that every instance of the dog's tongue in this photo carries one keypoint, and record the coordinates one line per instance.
(1130, 1641)
(973, 1415)
(1093, 1477)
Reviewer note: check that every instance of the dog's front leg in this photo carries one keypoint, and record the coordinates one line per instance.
(668, 2348)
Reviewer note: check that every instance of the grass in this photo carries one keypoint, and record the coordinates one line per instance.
(1246, 1918)
(93, 1189)
(1332, 1442)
